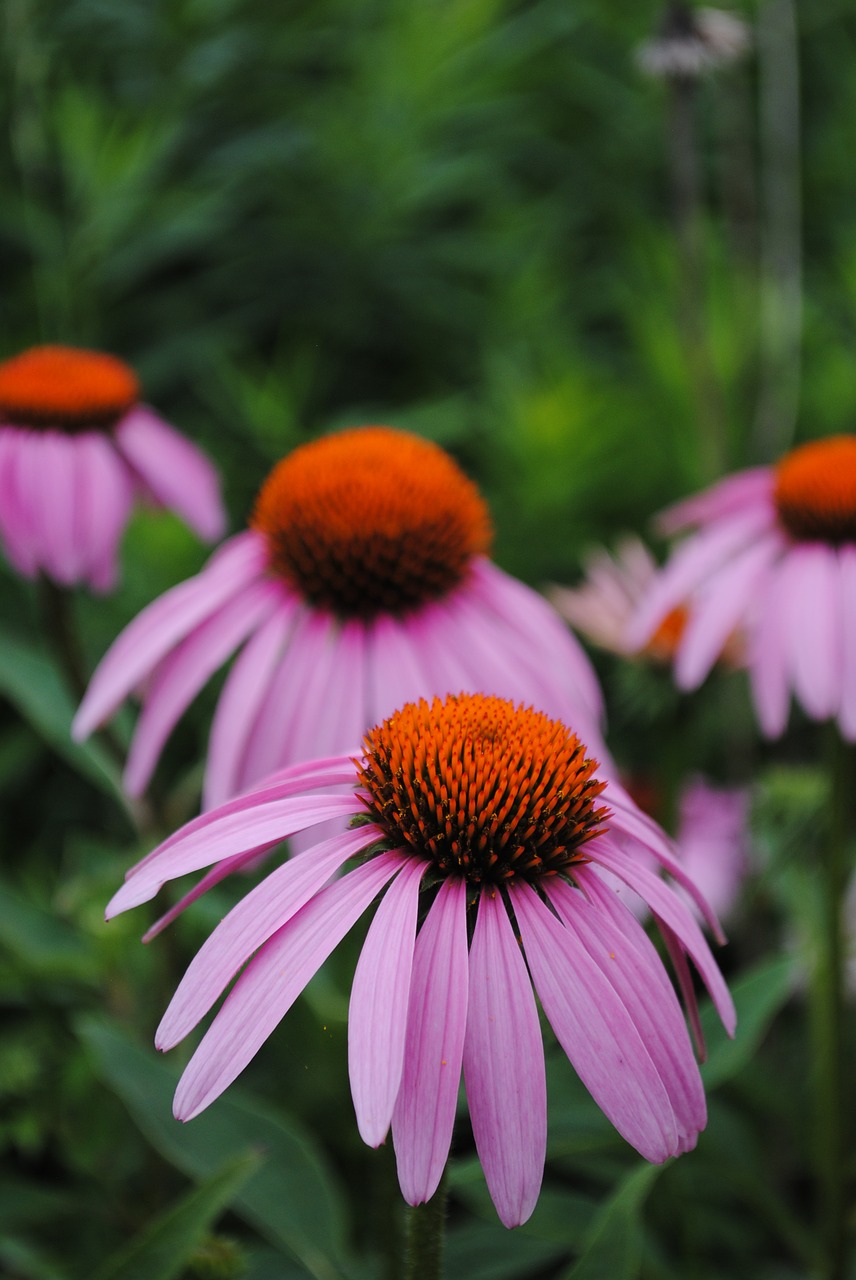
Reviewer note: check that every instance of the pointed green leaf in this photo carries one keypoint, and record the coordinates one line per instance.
(614, 1247)
(758, 996)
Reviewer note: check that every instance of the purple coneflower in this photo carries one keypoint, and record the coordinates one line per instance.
(76, 449)
(482, 825)
(774, 555)
(362, 582)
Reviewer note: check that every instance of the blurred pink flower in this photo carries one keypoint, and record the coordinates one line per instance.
(362, 583)
(712, 840)
(76, 449)
(483, 820)
(774, 553)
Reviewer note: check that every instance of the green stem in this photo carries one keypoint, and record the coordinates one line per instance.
(829, 1021)
(425, 1232)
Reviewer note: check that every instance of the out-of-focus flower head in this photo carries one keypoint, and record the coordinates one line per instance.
(77, 448)
(488, 824)
(773, 553)
(693, 42)
(362, 582)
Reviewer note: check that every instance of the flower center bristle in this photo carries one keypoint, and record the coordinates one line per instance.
(482, 788)
(66, 387)
(815, 491)
(371, 521)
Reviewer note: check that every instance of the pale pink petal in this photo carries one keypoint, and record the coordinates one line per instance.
(504, 1065)
(183, 673)
(163, 624)
(395, 673)
(380, 996)
(245, 689)
(745, 489)
(176, 472)
(678, 957)
(104, 496)
(691, 565)
(248, 926)
(424, 1115)
(814, 628)
(595, 1030)
(665, 902)
(330, 713)
(847, 587)
(47, 474)
(273, 980)
(720, 608)
(712, 837)
(14, 520)
(768, 655)
(653, 1006)
(223, 838)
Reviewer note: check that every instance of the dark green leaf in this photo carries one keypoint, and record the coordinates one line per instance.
(42, 943)
(758, 995)
(613, 1250)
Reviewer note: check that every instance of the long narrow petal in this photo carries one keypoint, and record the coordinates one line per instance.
(274, 979)
(749, 488)
(613, 944)
(176, 472)
(235, 833)
(14, 520)
(183, 672)
(395, 671)
(768, 655)
(242, 695)
(814, 635)
(424, 1115)
(328, 716)
(665, 902)
(154, 632)
(47, 472)
(720, 609)
(595, 1030)
(847, 574)
(263, 911)
(105, 495)
(504, 1065)
(380, 996)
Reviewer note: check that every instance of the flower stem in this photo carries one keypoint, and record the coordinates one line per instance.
(425, 1232)
(829, 1020)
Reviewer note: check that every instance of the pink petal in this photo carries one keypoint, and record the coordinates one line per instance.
(424, 1115)
(223, 838)
(244, 692)
(14, 519)
(329, 715)
(504, 1065)
(768, 655)
(163, 624)
(183, 672)
(274, 979)
(595, 1030)
(632, 972)
(720, 609)
(847, 587)
(105, 497)
(377, 1018)
(745, 489)
(177, 473)
(811, 590)
(395, 672)
(47, 475)
(263, 911)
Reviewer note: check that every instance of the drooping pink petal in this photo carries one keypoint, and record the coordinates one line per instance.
(424, 1114)
(330, 713)
(14, 519)
(176, 472)
(814, 627)
(746, 489)
(633, 973)
(163, 624)
(595, 1030)
(768, 655)
(223, 838)
(690, 566)
(263, 911)
(678, 956)
(244, 691)
(47, 473)
(380, 996)
(183, 673)
(105, 497)
(273, 980)
(720, 609)
(665, 902)
(847, 587)
(395, 673)
(504, 1065)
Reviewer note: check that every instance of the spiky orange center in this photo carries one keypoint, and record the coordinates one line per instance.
(66, 387)
(815, 490)
(482, 788)
(371, 521)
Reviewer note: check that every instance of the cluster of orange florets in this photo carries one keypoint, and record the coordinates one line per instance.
(815, 490)
(65, 387)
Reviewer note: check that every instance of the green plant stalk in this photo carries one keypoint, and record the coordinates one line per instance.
(425, 1235)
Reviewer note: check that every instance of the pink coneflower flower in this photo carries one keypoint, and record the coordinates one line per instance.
(362, 582)
(774, 554)
(76, 449)
(484, 822)
(712, 840)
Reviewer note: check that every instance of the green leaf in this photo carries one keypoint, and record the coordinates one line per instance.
(42, 943)
(292, 1199)
(483, 1251)
(33, 685)
(758, 996)
(614, 1247)
(164, 1248)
